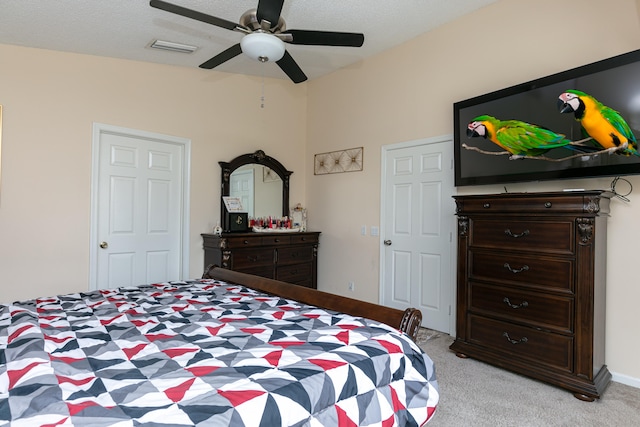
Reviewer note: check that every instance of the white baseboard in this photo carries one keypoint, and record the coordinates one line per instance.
(625, 379)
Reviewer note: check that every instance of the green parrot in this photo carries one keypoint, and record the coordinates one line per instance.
(605, 125)
(519, 138)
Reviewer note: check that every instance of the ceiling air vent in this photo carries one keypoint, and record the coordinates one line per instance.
(173, 47)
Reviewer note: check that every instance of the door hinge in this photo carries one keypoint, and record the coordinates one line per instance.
(449, 310)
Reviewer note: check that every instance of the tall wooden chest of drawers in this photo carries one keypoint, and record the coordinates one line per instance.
(290, 257)
(531, 285)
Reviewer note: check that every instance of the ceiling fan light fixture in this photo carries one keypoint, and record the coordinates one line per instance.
(262, 47)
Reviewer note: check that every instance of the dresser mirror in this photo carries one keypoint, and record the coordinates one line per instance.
(259, 181)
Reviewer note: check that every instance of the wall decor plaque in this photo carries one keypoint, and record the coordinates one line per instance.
(349, 160)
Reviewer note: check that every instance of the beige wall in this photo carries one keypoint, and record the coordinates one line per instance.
(50, 102)
(407, 94)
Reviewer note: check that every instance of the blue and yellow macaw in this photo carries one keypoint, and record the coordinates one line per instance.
(519, 138)
(605, 125)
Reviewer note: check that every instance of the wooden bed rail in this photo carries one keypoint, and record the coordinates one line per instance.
(407, 321)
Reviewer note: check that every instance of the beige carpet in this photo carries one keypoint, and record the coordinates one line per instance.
(473, 393)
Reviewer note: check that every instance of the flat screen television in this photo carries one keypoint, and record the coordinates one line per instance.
(614, 82)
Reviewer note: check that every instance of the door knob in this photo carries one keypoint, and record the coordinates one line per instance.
(387, 242)
(104, 245)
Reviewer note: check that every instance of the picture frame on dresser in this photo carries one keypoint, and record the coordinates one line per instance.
(299, 217)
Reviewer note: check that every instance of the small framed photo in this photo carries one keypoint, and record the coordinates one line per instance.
(233, 204)
(299, 217)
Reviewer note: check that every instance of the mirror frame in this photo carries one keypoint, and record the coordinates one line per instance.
(259, 157)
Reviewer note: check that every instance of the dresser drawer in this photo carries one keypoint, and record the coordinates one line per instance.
(533, 235)
(240, 242)
(294, 273)
(534, 308)
(278, 239)
(504, 267)
(546, 204)
(262, 271)
(250, 258)
(524, 343)
(295, 254)
(304, 238)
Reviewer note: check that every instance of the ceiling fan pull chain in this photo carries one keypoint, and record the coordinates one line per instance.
(262, 93)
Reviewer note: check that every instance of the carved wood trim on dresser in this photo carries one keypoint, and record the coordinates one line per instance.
(288, 257)
(531, 285)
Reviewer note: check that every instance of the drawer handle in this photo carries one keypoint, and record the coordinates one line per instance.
(246, 242)
(514, 342)
(547, 205)
(508, 232)
(252, 258)
(486, 205)
(521, 305)
(516, 270)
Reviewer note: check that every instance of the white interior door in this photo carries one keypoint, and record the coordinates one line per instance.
(417, 229)
(139, 208)
(241, 185)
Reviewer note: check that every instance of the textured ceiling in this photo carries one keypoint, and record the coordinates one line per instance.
(125, 28)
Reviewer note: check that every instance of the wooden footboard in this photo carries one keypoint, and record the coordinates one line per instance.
(407, 321)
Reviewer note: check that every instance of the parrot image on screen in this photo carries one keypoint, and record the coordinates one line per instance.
(605, 125)
(519, 138)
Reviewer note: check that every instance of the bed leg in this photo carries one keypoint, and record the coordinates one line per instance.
(411, 321)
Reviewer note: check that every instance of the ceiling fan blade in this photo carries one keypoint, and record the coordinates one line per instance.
(224, 56)
(193, 14)
(269, 10)
(291, 68)
(325, 38)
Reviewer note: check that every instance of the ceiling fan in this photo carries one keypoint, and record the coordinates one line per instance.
(265, 34)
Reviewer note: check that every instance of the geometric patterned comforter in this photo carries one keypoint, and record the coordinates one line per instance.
(205, 353)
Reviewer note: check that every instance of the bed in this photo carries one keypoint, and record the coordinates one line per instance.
(227, 349)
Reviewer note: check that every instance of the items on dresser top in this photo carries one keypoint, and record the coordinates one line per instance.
(531, 285)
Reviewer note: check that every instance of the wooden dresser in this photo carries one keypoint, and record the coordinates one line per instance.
(531, 285)
(290, 257)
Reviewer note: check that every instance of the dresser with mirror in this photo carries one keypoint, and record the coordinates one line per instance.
(261, 183)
